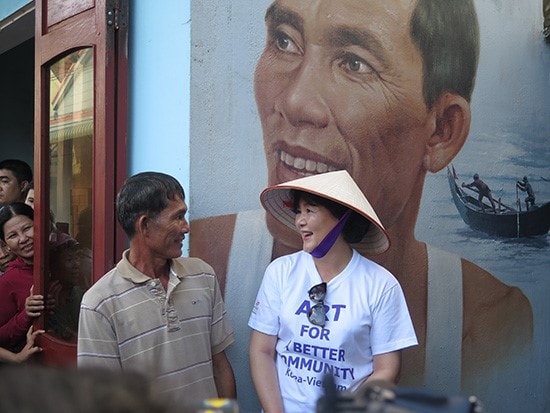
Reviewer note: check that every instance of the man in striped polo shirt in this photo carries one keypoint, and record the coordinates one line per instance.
(155, 312)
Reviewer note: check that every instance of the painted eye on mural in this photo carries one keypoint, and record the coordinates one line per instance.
(353, 63)
(283, 42)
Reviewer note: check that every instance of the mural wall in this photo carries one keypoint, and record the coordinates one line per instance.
(359, 100)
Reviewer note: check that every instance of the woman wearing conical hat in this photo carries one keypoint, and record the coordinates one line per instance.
(325, 309)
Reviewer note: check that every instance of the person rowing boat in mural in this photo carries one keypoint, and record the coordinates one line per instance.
(483, 191)
(525, 186)
(374, 88)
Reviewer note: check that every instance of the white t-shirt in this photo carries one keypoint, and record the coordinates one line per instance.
(367, 315)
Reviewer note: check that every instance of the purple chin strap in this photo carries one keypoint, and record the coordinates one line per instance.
(326, 244)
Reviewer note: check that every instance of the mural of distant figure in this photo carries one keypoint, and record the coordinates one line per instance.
(383, 90)
(525, 186)
(483, 191)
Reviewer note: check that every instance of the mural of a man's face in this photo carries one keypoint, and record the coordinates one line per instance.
(339, 86)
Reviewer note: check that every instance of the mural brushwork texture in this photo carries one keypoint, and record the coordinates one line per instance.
(273, 101)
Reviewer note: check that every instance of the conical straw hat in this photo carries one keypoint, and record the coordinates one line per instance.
(337, 186)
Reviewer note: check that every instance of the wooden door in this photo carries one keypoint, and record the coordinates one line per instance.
(80, 156)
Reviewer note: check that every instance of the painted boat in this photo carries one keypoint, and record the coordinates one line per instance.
(506, 222)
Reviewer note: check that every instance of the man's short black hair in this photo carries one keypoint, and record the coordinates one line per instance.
(146, 193)
(21, 169)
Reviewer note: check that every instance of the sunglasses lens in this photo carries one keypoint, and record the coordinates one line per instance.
(318, 292)
(317, 315)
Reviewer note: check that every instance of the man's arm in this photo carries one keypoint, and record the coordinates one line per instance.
(223, 376)
(97, 342)
(264, 371)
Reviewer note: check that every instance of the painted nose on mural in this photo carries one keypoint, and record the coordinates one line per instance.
(303, 103)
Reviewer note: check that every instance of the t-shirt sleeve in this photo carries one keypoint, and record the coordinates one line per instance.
(265, 313)
(392, 326)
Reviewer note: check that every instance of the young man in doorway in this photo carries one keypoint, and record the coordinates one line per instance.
(15, 178)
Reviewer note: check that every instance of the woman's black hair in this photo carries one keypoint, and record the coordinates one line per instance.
(356, 226)
(12, 210)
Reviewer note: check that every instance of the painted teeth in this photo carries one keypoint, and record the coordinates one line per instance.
(305, 165)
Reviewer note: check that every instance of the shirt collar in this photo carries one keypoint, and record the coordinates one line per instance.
(131, 273)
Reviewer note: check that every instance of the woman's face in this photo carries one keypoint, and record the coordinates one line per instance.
(29, 200)
(19, 237)
(313, 222)
(6, 256)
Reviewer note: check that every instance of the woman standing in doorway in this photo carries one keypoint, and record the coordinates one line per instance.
(17, 231)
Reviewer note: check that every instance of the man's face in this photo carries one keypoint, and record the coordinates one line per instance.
(66, 267)
(10, 189)
(339, 86)
(166, 232)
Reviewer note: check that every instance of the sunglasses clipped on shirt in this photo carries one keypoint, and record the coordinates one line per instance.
(317, 314)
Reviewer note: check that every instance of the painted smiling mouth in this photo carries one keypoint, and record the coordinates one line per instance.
(306, 166)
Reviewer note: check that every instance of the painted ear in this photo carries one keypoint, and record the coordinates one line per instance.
(452, 125)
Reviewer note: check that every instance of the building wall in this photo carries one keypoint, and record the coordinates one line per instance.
(509, 138)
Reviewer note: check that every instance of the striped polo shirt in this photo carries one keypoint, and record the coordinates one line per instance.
(128, 321)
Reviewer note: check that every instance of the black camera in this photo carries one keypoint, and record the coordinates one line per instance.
(384, 397)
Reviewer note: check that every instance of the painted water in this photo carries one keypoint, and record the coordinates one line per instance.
(501, 158)
(509, 139)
